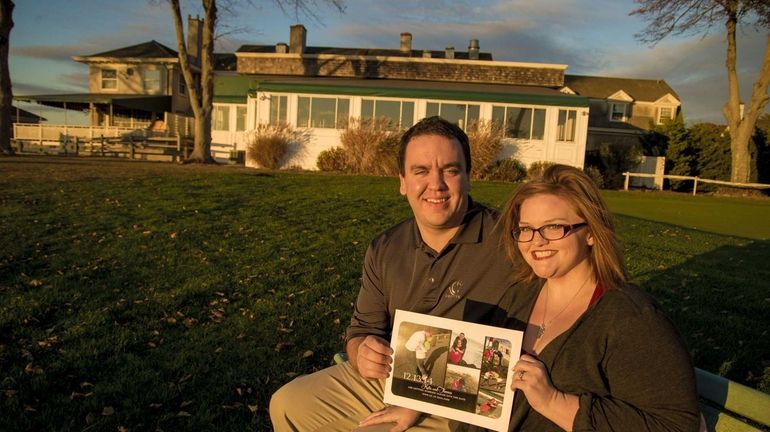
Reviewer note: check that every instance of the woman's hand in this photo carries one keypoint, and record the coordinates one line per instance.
(531, 377)
(404, 418)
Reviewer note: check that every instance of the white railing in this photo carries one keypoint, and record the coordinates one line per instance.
(695, 181)
(47, 132)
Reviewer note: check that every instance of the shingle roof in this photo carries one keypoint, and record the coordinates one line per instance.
(378, 52)
(644, 90)
(151, 49)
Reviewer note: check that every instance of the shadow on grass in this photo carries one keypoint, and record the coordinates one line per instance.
(719, 301)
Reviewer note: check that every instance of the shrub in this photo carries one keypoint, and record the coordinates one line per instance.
(486, 142)
(615, 160)
(332, 160)
(370, 146)
(268, 145)
(536, 169)
(595, 174)
(510, 170)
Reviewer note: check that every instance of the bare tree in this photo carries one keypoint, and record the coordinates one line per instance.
(6, 91)
(202, 97)
(682, 17)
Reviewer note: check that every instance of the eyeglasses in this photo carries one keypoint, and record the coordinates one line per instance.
(548, 232)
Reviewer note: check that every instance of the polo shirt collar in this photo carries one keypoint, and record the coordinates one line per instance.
(469, 232)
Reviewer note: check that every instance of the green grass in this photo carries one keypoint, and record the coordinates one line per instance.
(157, 296)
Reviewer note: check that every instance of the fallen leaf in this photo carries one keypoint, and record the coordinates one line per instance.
(28, 408)
(155, 405)
(291, 374)
(280, 346)
(108, 411)
(252, 408)
(11, 393)
(90, 418)
(307, 354)
(183, 414)
(185, 404)
(122, 429)
(35, 282)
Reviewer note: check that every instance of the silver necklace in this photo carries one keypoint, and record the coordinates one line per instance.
(542, 327)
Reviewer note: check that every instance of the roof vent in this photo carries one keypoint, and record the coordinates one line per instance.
(450, 52)
(473, 49)
(281, 48)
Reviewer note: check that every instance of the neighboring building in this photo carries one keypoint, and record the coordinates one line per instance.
(545, 114)
(623, 108)
(320, 88)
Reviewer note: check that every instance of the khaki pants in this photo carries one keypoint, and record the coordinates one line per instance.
(334, 399)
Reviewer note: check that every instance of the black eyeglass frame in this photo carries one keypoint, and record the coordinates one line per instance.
(516, 232)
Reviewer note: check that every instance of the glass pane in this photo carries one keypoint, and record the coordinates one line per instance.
(109, 73)
(110, 84)
(473, 113)
(498, 115)
(454, 113)
(323, 112)
(390, 110)
(538, 125)
(432, 109)
(282, 116)
(567, 125)
(367, 108)
(221, 118)
(519, 121)
(407, 114)
(343, 113)
(303, 111)
(152, 80)
(240, 118)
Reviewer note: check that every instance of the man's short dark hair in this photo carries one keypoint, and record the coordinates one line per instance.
(434, 126)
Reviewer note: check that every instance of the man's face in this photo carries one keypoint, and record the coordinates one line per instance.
(435, 182)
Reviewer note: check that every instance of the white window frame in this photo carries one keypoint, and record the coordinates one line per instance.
(532, 116)
(449, 102)
(282, 107)
(659, 116)
(567, 131)
(152, 85)
(104, 80)
(623, 111)
(401, 103)
(220, 118)
(339, 123)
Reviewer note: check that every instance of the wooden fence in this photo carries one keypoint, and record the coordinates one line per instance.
(695, 180)
(133, 147)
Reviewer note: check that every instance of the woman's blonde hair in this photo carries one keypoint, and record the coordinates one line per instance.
(574, 186)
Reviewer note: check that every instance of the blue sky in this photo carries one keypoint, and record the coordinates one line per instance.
(593, 37)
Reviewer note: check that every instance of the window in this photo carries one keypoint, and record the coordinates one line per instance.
(457, 113)
(109, 79)
(400, 114)
(220, 119)
(322, 112)
(152, 81)
(566, 125)
(278, 109)
(618, 111)
(240, 118)
(522, 123)
(182, 85)
(665, 113)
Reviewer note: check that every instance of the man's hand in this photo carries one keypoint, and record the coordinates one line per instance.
(371, 356)
(404, 418)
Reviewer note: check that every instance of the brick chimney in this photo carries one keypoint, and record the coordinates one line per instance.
(194, 39)
(473, 49)
(281, 48)
(406, 43)
(297, 39)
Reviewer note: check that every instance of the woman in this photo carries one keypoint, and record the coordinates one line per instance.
(599, 354)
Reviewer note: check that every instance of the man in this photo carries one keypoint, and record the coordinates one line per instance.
(445, 261)
(418, 344)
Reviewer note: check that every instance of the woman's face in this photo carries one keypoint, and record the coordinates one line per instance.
(552, 259)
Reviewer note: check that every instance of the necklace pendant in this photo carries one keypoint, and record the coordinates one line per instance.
(540, 331)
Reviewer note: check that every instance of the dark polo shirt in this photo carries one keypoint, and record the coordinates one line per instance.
(465, 281)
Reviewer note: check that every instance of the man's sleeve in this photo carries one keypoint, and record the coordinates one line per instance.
(370, 314)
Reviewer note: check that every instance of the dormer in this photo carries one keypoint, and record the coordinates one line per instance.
(665, 108)
(619, 106)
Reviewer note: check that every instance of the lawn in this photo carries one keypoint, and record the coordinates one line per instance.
(154, 296)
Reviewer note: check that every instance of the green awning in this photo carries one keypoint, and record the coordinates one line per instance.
(518, 95)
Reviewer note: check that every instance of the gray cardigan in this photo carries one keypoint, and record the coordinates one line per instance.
(624, 359)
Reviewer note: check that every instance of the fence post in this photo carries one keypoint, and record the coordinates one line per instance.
(77, 146)
(131, 145)
(178, 153)
(101, 140)
(695, 186)
(625, 183)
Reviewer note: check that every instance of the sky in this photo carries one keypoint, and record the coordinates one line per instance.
(592, 37)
